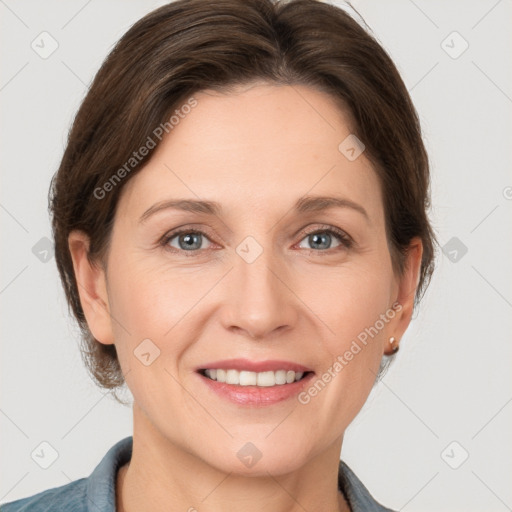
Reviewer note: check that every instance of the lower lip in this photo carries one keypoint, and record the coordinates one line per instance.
(255, 395)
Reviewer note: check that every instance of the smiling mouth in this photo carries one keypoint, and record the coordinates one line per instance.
(258, 379)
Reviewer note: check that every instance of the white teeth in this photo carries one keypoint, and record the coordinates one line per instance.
(248, 378)
(211, 373)
(266, 379)
(261, 379)
(281, 377)
(232, 377)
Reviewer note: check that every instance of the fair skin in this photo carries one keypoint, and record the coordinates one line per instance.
(256, 153)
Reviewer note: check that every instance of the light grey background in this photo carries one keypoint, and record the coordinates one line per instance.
(452, 378)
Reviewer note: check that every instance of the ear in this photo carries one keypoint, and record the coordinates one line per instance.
(406, 292)
(92, 288)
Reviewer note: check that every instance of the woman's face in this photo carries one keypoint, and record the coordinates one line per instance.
(254, 285)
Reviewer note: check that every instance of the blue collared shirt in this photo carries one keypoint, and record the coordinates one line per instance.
(97, 493)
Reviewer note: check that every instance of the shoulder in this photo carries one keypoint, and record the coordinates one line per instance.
(357, 495)
(70, 497)
(96, 492)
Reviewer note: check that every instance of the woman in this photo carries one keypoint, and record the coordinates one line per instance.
(241, 229)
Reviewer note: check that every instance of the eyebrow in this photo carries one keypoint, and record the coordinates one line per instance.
(303, 205)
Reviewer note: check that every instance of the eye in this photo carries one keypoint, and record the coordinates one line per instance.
(322, 239)
(190, 242)
(186, 240)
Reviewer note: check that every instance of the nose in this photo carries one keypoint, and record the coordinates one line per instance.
(259, 297)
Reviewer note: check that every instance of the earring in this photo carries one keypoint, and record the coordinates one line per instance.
(396, 347)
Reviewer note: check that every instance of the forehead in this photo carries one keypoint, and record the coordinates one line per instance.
(257, 146)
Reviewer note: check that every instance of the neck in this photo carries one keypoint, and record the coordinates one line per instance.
(162, 476)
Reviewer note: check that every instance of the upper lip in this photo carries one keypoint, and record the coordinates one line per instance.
(254, 366)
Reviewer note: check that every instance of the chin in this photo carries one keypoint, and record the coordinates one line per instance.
(259, 458)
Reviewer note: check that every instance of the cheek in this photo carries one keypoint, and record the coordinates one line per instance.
(352, 306)
(149, 296)
(148, 301)
(350, 300)
(147, 309)
(361, 305)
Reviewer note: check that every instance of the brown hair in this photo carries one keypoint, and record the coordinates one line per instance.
(190, 45)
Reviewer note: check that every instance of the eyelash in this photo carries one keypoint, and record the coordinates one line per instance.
(346, 240)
